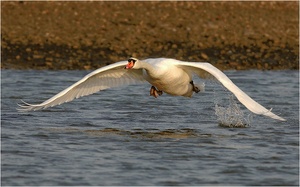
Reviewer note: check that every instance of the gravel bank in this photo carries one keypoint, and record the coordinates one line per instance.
(88, 35)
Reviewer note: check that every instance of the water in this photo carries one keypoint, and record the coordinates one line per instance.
(123, 136)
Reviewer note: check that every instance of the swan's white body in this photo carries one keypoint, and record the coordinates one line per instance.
(169, 78)
(168, 75)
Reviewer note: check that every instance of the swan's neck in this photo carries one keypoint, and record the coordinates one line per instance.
(148, 67)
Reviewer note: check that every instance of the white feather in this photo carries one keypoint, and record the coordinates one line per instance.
(168, 75)
(107, 77)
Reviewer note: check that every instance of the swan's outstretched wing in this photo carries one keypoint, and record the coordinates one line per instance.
(247, 101)
(113, 75)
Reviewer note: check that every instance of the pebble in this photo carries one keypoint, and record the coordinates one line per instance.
(204, 56)
(50, 59)
(37, 56)
(49, 64)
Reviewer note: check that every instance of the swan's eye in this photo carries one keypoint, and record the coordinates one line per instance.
(131, 60)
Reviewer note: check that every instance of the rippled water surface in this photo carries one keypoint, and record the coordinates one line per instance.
(123, 136)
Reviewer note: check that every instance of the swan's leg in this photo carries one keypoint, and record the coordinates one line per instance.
(159, 92)
(152, 89)
(154, 92)
(195, 88)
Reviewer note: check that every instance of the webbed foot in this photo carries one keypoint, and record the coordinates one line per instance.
(195, 88)
(154, 92)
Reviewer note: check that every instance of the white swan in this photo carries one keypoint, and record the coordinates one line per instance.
(165, 75)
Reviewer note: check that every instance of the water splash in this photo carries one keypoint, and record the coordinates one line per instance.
(229, 114)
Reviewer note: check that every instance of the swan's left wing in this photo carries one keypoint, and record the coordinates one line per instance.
(110, 76)
(248, 102)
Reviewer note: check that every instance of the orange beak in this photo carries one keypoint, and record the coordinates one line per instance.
(129, 65)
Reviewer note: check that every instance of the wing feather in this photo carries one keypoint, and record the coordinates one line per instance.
(247, 101)
(110, 76)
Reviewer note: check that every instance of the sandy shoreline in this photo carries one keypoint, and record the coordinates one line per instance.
(88, 35)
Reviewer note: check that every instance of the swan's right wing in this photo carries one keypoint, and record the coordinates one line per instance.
(248, 102)
(110, 76)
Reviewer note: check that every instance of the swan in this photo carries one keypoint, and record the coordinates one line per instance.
(166, 75)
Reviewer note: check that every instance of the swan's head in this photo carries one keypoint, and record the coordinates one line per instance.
(132, 63)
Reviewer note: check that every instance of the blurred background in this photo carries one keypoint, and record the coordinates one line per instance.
(88, 35)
